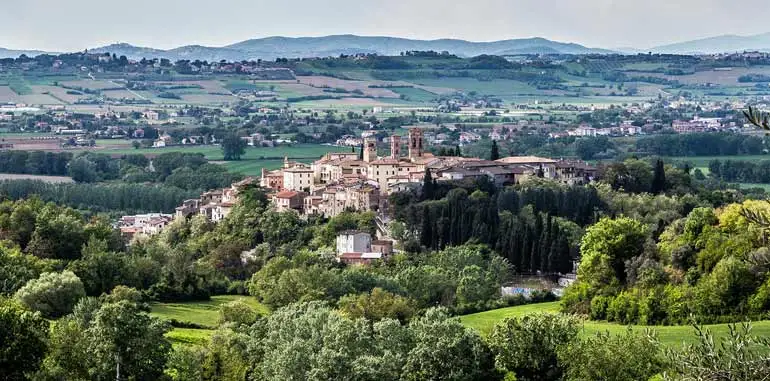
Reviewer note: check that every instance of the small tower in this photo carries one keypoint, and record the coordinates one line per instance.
(370, 149)
(395, 147)
(415, 143)
(285, 161)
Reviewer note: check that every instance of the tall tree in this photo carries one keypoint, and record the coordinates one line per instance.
(427, 186)
(233, 147)
(361, 152)
(426, 232)
(494, 153)
(658, 178)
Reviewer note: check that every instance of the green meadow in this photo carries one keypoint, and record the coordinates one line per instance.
(671, 336)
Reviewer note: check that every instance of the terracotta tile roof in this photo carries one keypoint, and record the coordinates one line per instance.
(286, 194)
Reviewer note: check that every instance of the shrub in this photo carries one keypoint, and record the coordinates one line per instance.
(618, 357)
(599, 306)
(528, 345)
(53, 294)
(237, 312)
(623, 309)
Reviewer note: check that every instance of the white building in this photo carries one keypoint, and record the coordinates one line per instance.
(353, 241)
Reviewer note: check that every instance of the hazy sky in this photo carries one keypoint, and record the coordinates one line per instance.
(66, 25)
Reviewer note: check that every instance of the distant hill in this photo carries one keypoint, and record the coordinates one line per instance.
(7, 53)
(718, 44)
(271, 48)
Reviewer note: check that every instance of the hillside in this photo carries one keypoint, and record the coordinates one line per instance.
(273, 47)
(718, 44)
(8, 53)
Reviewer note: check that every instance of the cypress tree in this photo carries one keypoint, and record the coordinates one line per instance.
(426, 232)
(526, 248)
(458, 153)
(658, 178)
(494, 153)
(564, 264)
(427, 186)
(361, 152)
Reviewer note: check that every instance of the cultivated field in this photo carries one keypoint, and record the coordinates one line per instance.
(720, 77)
(671, 336)
(122, 94)
(363, 86)
(57, 92)
(92, 84)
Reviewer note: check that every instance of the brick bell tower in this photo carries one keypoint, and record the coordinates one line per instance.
(415, 143)
(395, 147)
(370, 149)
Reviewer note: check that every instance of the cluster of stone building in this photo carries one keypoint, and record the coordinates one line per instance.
(343, 181)
(215, 205)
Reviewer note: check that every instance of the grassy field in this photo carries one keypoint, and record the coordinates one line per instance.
(297, 151)
(203, 313)
(254, 167)
(703, 161)
(766, 187)
(415, 94)
(671, 336)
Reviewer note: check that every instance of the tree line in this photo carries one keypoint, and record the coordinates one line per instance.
(701, 144)
(711, 264)
(109, 198)
(741, 171)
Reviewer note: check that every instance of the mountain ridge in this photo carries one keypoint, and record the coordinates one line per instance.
(273, 47)
(726, 43)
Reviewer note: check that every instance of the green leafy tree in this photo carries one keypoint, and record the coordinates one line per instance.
(52, 294)
(99, 269)
(127, 343)
(618, 357)
(23, 335)
(528, 346)
(605, 248)
(83, 170)
(378, 305)
(233, 147)
(445, 350)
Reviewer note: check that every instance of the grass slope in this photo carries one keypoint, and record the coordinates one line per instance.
(671, 336)
(204, 313)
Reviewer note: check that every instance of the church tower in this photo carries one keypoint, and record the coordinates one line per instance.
(370, 149)
(415, 142)
(395, 147)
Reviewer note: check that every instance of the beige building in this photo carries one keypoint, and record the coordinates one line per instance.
(297, 178)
